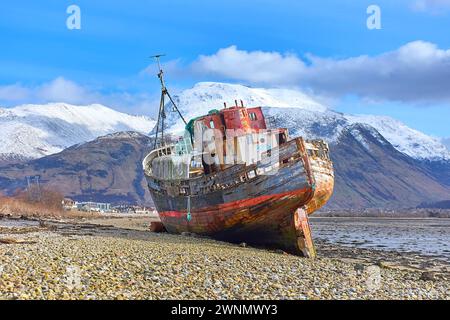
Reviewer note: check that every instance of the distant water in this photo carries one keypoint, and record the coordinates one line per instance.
(429, 237)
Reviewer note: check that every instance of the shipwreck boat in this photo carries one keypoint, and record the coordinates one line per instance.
(233, 178)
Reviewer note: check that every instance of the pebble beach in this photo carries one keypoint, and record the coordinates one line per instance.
(121, 259)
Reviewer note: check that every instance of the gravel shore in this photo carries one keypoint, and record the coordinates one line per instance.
(86, 261)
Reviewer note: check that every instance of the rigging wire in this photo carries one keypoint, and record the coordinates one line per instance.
(162, 112)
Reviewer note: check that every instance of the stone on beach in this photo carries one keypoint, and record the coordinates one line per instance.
(73, 262)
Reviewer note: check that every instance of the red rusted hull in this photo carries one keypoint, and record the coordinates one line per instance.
(231, 178)
(265, 220)
(324, 184)
(269, 211)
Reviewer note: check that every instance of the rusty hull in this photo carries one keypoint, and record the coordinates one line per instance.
(322, 170)
(235, 206)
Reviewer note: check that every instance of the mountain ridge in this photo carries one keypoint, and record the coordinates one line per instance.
(379, 162)
(369, 172)
(106, 169)
(290, 104)
(33, 131)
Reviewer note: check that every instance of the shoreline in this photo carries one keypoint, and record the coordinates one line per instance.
(96, 260)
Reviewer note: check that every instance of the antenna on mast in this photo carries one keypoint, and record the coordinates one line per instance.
(157, 57)
(164, 92)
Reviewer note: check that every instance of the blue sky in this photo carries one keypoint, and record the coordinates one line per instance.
(312, 44)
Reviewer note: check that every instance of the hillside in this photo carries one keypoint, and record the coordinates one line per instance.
(379, 162)
(370, 172)
(106, 169)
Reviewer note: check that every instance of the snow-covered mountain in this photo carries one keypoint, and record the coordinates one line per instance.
(407, 140)
(33, 131)
(379, 162)
(303, 116)
(205, 96)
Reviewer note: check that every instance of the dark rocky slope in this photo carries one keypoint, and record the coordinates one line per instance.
(370, 172)
(106, 169)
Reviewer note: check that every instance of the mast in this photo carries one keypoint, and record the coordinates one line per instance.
(162, 112)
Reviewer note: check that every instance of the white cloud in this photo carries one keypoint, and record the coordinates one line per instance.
(416, 72)
(254, 66)
(13, 92)
(63, 90)
(57, 90)
(433, 6)
(446, 142)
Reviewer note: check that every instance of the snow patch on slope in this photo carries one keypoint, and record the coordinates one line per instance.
(407, 140)
(325, 125)
(365, 134)
(205, 96)
(33, 131)
(302, 115)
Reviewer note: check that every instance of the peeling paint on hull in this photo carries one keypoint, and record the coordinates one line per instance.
(268, 210)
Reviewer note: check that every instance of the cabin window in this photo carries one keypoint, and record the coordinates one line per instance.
(211, 124)
(252, 174)
(253, 116)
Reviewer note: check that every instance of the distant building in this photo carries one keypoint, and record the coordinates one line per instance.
(90, 206)
(130, 209)
(69, 204)
(93, 206)
(143, 210)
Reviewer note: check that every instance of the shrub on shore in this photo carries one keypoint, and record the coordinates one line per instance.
(30, 204)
